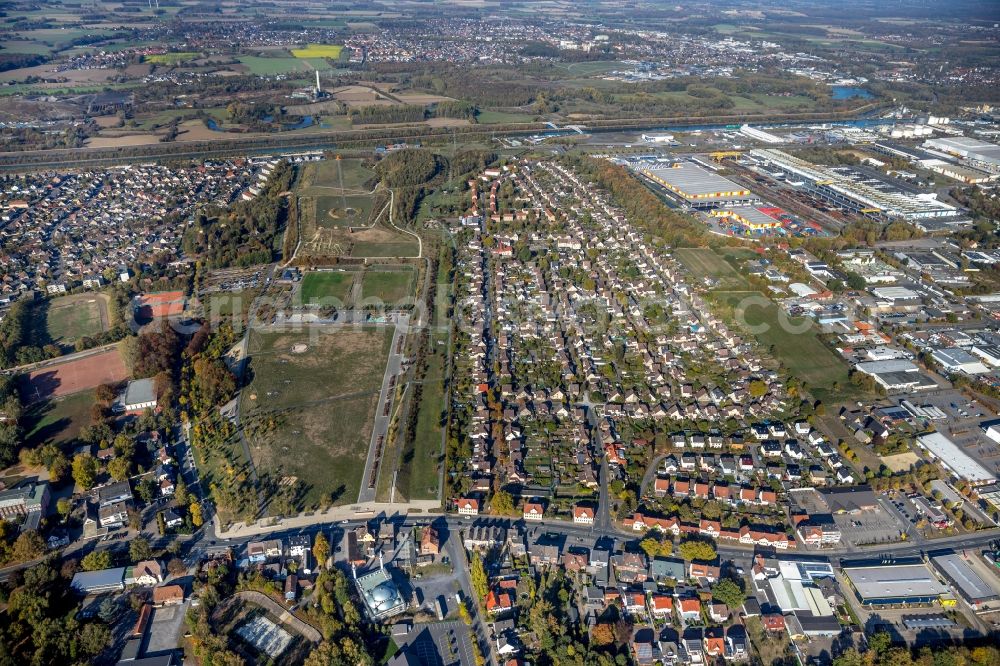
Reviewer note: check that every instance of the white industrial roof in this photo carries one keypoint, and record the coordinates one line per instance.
(955, 459)
(896, 581)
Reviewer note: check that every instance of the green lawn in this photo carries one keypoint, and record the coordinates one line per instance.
(57, 420)
(500, 117)
(310, 407)
(384, 249)
(323, 286)
(704, 262)
(354, 172)
(793, 341)
(388, 286)
(333, 210)
(419, 475)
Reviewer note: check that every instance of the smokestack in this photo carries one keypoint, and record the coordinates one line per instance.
(318, 88)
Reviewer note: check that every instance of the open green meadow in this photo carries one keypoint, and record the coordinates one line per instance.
(343, 211)
(310, 407)
(704, 262)
(794, 341)
(499, 117)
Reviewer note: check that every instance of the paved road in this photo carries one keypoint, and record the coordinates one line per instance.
(383, 412)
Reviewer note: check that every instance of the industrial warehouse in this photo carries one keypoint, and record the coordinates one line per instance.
(972, 580)
(894, 583)
(854, 191)
(695, 186)
(975, 151)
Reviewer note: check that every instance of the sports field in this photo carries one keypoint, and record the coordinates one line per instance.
(704, 262)
(69, 318)
(793, 341)
(310, 408)
(327, 285)
(57, 419)
(388, 286)
(68, 377)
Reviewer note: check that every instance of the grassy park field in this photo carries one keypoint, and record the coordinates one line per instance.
(704, 262)
(310, 407)
(792, 340)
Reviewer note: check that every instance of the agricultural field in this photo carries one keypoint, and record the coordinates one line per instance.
(327, 285)
(794, 341)
(388, 286)
(68, 318)
(331, 51)
(310, 408)
(704, 262)
(262, 66)
(172, 58)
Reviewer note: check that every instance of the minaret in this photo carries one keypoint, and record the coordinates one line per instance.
(381, 562)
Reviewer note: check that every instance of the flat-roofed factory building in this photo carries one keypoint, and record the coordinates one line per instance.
(695, 186)
(967, 580)
(894, 582)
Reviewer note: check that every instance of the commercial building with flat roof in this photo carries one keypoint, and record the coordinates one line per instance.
(897, 375)
(699, 187)
(967, 148)
(957, 461)
(888, 583)
(964, 578)
(104, 580)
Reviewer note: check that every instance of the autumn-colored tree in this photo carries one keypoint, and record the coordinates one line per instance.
(85, 470)
(602, 634)
(194, 510)
(321, 549)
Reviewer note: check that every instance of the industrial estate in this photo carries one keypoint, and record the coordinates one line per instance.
(530, 333)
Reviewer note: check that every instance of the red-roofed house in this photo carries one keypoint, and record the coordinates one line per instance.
(533, 511)
(661, 605)
(583, 515)
(468, 506)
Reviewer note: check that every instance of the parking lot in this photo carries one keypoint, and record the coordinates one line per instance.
(869, 527)
(445, 643)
